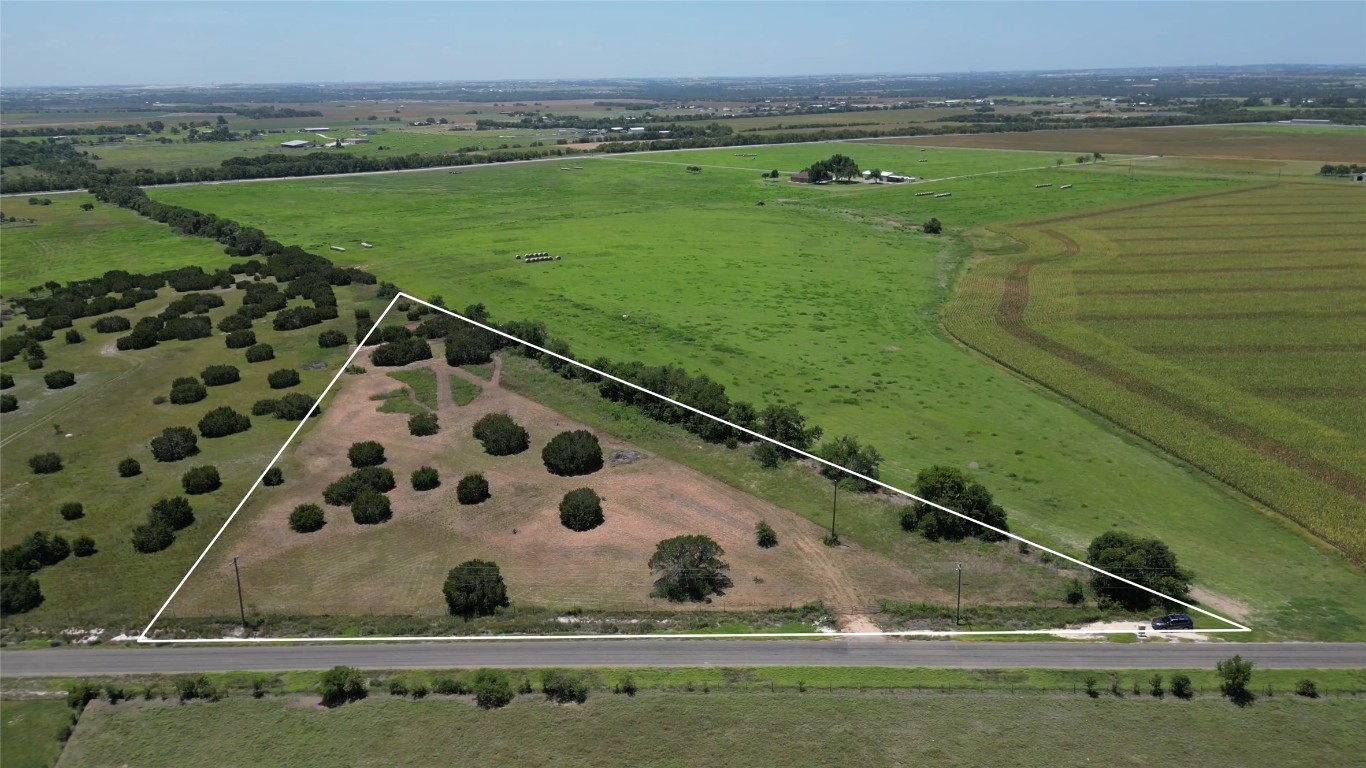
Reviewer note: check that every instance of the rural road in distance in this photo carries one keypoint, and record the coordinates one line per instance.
(676, 653)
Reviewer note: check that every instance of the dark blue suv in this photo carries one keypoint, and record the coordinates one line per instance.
(1173, 621)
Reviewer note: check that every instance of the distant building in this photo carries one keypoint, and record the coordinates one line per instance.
(801, 178)
(314, 130)
(1359, 177)
(296, 144)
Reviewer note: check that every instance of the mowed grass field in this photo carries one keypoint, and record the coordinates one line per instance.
(67, 243)
(1240, 314)
(109, 416)
(825, 297)
(726, 729)
(1323, 144)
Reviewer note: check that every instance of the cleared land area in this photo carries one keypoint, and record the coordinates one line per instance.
(725, 729)
(1237, 312)
(29, 730)
(397, 568)
(830, 300)
(1260, 141)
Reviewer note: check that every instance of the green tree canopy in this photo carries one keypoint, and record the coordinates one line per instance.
(475, 588)
(1148, 562)
(689, 568)
(950, 487)
(847, 452)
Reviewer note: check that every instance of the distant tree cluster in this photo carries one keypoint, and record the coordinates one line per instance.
(838, 168)
(950, 487)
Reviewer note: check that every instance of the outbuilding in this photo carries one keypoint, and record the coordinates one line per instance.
(296, 144)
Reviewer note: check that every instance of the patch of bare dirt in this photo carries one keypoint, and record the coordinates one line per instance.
(399, 566)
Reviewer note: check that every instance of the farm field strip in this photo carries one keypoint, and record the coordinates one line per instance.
(1067, 315)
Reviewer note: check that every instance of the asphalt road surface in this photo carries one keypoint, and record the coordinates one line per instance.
(675, 653)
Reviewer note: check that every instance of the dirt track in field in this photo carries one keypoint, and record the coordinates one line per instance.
(398, 566)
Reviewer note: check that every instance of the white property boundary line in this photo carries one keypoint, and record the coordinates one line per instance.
(360, 345)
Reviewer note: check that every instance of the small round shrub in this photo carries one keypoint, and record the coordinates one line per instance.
(264, 407)
(765, 536)
(45, 463)
(234, 323)
(572, 453)
(329, 339)
(345, 489)
(186, 390)
(426, 478)
(8, 403)
(366, 454)
(218, 375)
(240, 339)
(423, 425)
(72, 510)
(174, 444)
(500, 435)
(223, 421)
(371, 507)
(39, 333)
(174, 513)
(294, 406)
(283, 378)
(472, 489)
(57, 322)
(274, 476)
(6, 381)
(581, 510)
(34, 363)
(83, 546)
(152, 538)
(1307, 688)
(59, 379)
(307, 518)
(199, 480)
(129, 468)
(112, 324)
(74, 336)
(260, 353)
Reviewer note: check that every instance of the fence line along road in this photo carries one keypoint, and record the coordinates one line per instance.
(678, 653)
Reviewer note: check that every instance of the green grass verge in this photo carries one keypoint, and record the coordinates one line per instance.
(31, 730)
(422, 382)
(724, 729)
(463, 392)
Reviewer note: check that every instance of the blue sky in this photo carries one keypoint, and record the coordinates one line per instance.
(96, 43)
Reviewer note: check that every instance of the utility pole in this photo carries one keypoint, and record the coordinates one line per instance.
(834, 502)
(958, 611)
(241, 607)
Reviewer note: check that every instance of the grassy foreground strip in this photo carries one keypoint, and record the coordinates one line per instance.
(720, 729)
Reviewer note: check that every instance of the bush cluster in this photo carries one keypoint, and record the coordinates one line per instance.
(202, 479)
(344, 490)
(423, 425)
(581, 510)
(233, 323)
(72, 510)
(83, 546)
(45, 463)
(6, 381)
(765, 536)
(274, 476)
(563, 687)
(475, 588)
(371, 507)
(218, 375)
(283, 378)
(223, 421)
(472, 489)
(130, 468)
(59, 379)
(500, 435)
(426, 478)
(240, 339)
(333, 338)
(8, 403)
(112, 324)
(401, 352)
(306, 518)
(186, 390)
(74, 336)
(174, 444)
(572, 453)
(260, 353)
(294, 406)
(365, 454)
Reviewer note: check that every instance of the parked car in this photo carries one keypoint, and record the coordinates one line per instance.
(1173, 621)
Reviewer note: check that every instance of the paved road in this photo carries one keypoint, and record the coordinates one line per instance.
(675, 653)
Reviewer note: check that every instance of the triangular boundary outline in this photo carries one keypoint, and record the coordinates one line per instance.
(144, 639)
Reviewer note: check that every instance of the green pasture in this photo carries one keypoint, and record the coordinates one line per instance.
(109, 415)
(908, 160)
(68, 243)
(29, 730)
(722, 728)
(825, 297)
